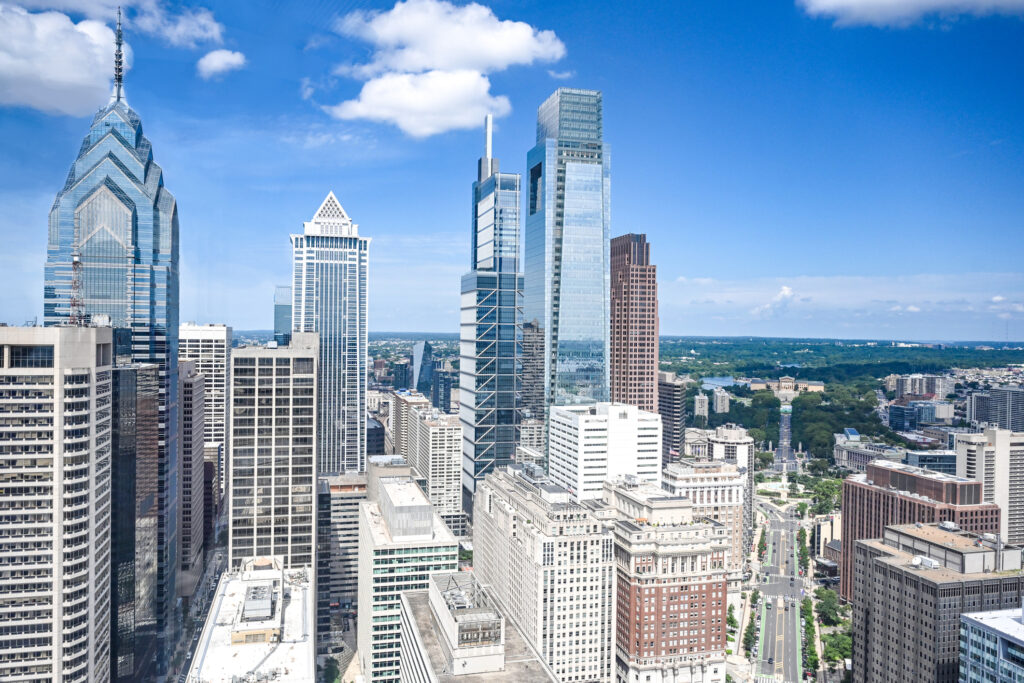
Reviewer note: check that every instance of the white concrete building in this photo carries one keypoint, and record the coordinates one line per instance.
(435, 450)
(700, 405)
(260, 627)
(589, 444)
(995, 457)
(402, 541)
(273, 459)
(403, 403)
(720, 400)
(732, 444)
(991, 646)
(453, 632)
(210, 347)
(717, 490)
(55, 456)
(549, 563)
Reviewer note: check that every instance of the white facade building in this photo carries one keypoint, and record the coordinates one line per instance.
(549, 563)
(209, 346)
(273, 462)
(592, 443)
(55, 455)
(401, 423)
(435, 450)
(732, 444)
(700, 405)
(329, 289)
(402, 541)
(995, 457)
(720, 400)
(717, 491)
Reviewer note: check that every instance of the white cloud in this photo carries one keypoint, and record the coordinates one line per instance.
(904, 12)
(777, 303)
(184, 29)
(561, 75)
(912, 309)
(219, 62)
(998, 299)
(429, 70)
(425, 35)
(425, 104)
(50, 63)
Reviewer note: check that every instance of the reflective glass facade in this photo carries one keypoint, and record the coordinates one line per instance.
(567, 276)
(133, 536)
(491, 335)
(115, 212)
(283, 314)
(329, 296)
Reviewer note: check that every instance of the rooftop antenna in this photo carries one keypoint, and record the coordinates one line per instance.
(118, 60)
(488, 165)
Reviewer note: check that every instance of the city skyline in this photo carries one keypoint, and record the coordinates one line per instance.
(901, 173)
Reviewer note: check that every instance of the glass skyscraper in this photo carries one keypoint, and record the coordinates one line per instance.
(112, 257)
(283, 314)
(490, 346)
(566, 301)
(329, 295)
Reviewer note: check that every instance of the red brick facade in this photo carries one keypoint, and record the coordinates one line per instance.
(634, 323)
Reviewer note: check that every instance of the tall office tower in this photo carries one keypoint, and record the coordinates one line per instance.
(979, 407)
(1006, 407)
(443, 384)
(337, 552)
(533, 383)
(717, 490)
(403, 405)
(401, 373)
(720, 400)
(375, 437)
(992, 645)
(112, 250)
(532, 433)
(209, 346)
(329, 296)
(491, 333)
(273, 468)
(912, 584)
(996, 459)
(55, 455)
(454, 632)
(134, 430)
(402, 541)
(567, 275)
(634, 319)
(672, 408)
(435, 450)
(671, 587)
(894, 493)
(282, 314)
(902, 418)
(589, 444)
(700, 405)
(422, 361)
(191, 390)
(550, 564)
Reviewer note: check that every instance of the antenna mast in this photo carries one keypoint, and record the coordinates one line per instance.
(118, 60)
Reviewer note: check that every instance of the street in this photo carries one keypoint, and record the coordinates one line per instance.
(779, 650)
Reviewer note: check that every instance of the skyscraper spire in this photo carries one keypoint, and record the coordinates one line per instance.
(118, 60)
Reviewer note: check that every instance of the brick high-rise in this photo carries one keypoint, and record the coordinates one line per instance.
(894, 493)
(634, 323)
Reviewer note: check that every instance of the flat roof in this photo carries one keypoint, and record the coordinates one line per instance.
(251, 601)
(522, 663)
(1006, 622)
(964, 542)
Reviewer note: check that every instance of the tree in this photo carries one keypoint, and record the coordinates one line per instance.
(730, 618)
(801, 509)
(818, 466)
(764, 460)
(827, 607)
(755, 597)
(837, 646)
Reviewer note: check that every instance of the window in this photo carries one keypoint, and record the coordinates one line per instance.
(31, 356)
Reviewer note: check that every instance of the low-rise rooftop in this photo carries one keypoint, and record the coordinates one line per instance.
(261, 627)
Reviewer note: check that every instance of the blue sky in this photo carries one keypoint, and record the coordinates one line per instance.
(848, 168)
